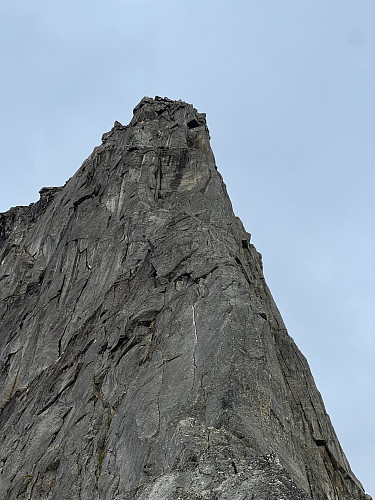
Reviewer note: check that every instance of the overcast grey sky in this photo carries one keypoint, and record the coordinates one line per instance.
(289, 91)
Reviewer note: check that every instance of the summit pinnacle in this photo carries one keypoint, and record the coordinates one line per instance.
(141, 353)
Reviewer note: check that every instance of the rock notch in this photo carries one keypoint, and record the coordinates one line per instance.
(142, 354)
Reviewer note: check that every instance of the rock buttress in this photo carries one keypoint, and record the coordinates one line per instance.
(142, 355)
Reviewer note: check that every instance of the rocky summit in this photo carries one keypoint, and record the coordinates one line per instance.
(141, 353)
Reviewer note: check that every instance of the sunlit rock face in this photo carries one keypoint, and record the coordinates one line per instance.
(141, 353)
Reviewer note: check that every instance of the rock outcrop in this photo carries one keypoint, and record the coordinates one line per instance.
(142, 355)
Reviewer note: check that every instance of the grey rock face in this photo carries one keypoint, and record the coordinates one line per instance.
(142, 355)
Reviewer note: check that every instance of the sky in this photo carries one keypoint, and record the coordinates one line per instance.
(289, 92)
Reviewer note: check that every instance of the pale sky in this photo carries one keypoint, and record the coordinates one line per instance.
(289, 92)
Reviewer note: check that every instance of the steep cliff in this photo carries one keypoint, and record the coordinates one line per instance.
(142, 355)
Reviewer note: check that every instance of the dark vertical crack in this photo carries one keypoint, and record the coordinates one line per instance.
(195, 341)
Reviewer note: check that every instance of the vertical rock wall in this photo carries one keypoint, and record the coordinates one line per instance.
(141, 353)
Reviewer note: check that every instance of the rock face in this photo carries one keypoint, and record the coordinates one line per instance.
(142, 355)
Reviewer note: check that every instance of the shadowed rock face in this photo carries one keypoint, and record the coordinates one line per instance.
(142, 355)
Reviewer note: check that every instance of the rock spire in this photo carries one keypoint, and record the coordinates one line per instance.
(141, 353)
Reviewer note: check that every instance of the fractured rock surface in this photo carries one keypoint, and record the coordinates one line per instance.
(141, 353)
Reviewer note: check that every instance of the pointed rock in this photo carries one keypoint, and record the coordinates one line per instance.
(142, 355)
